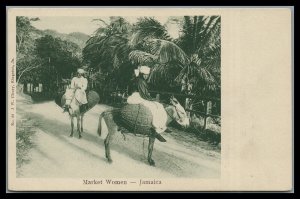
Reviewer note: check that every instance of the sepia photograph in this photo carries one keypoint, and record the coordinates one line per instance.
(123, 100)
(148, 86)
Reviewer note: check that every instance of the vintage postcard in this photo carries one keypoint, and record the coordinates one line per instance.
(149, 99)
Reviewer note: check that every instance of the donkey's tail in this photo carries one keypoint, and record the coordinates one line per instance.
(99, 123)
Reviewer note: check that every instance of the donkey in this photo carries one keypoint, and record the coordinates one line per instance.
(74, 111)
(74, 107)
(174, 112)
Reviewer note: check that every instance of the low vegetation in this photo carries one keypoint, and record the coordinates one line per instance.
(24, 141)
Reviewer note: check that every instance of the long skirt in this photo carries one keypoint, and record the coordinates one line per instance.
(158, 112)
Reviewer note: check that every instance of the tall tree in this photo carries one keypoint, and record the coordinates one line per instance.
(26, 58)
(155, 48)
(27, 68)
(201, 40)
(192, 58)
(107, 50)
(23, 30)
(60, 55)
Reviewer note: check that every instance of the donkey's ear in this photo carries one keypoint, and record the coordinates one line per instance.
(171, 98)
(175, 100)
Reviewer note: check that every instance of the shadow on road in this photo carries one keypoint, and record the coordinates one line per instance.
(167, 158)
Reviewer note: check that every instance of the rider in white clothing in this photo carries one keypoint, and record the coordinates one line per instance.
(142, 96)
(80, 84)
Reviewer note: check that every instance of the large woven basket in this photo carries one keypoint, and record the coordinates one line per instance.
(92, 98)
(136, 118)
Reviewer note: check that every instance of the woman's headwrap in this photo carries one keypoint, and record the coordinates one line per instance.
(142, 69)
(80, 71)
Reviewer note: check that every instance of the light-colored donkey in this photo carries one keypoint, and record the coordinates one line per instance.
(74, 111)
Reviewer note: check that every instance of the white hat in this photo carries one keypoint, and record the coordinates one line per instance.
(80, 70)
(145, 70)
(136, 72)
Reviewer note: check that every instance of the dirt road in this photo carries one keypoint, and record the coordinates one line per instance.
(57, 155)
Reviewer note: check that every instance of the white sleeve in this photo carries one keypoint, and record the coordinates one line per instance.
(84, 84)
(73, 83)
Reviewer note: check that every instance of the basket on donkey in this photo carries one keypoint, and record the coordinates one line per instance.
(135, 118)
(92, 98)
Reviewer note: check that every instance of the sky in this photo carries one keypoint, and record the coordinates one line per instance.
(68, 24)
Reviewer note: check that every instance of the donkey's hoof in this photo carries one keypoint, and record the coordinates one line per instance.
(79, 136)
(151, 162)
(109, 161)
(71, 135)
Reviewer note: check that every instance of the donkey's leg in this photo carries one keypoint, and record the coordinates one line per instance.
(112, 128)
(150, 150)
(78, 126)
(107, 148)
(81, 125)
(72, 127)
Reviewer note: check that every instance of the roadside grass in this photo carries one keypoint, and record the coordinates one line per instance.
(25, 131)
(212, 133)
(195, 135)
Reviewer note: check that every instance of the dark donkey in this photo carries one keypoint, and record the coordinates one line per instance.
(112, 120)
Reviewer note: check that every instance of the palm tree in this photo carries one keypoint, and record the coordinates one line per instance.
(194, 57)
(117, 47)
(106, 48)
(154, 47)
(201, 41)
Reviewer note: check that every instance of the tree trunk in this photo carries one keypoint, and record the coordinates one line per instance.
(26, 70)
(187, 106)
(205, 117)
(208, 107)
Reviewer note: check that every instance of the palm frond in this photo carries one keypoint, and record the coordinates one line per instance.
(116, 62)
(101, 20)
(150, 26)
(165, 73)
(167, 51)
(122, 50)
(212, 26)
(141, 58)
(146, 28)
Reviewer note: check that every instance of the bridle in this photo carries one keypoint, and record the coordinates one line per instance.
(72, 100)
(171, 116)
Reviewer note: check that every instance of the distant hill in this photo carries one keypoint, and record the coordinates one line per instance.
(75, 37)
(79, 36)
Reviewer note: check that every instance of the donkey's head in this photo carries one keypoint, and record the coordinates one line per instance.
(69, 94)
(178, 113)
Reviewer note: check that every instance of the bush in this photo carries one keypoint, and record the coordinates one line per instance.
(24, 141)
(212, 133)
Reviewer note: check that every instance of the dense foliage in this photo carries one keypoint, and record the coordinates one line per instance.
(190, 63)
(44, 59)
(194, 58)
